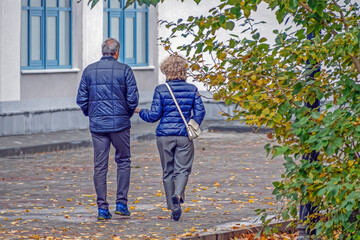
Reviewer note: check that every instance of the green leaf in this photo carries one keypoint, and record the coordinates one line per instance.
(357, 128)
(330, 149)
(317, 39)
(256, 36)
(276, 184)
(293, 5)
(230, 25)
(321, 192)
(199, 47)
(262, 40)
(222, 19)
(94, 2)
(315, 115)
(303, 120)
(228, 101)
(280, 150)
(313, 4)
(298, 87)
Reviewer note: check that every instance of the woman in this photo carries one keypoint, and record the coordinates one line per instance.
(175, 149)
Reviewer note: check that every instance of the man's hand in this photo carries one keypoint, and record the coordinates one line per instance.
(137, 110)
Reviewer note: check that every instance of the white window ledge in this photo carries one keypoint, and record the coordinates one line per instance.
(47, 71)
(144, 68)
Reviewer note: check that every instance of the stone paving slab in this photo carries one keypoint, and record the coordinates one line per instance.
(52, 194)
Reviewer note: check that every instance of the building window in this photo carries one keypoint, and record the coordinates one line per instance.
(45, 34)
(130, 28)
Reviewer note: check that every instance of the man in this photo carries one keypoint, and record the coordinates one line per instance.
(108, 95)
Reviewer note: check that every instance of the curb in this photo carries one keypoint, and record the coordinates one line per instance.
(51, 147)
(19, 151)
(224, 235)
(237, 129)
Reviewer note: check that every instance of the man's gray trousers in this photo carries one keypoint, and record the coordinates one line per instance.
(177, 156)
(121, 142)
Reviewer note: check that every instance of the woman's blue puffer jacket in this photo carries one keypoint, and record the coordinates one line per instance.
(108, 95)
(163, 107)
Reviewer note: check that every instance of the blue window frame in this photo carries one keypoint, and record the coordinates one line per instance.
(46, 34)
(130, 27)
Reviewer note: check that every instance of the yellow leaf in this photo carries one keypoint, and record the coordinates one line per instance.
(266, 111)
(217, 184)
(187, 209)
(69, 199)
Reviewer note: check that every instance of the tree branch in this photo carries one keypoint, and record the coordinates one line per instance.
(353, 58)
(342, 15)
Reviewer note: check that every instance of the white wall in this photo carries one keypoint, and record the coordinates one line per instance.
(10, 28)
(92, 32)
(172, 10)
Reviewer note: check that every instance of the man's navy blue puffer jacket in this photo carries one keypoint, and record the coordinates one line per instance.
(163, 107)
(108, 95)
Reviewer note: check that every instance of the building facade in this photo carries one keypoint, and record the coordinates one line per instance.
(46, 44)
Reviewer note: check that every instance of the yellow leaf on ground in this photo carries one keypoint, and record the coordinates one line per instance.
(217, 184)
(187, 209)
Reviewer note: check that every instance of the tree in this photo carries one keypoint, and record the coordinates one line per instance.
(269, 84)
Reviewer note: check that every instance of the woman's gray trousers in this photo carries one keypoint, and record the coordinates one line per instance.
(177, 156)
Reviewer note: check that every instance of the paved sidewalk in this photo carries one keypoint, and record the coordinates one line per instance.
(63, 140)
(52, 194)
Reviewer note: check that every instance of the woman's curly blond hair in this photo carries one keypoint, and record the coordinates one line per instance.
(174, 67)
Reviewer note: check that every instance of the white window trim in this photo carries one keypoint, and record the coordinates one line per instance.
(144, 68)
(48, 71)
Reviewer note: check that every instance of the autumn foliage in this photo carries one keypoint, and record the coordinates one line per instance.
(315, 59)
(273, 85)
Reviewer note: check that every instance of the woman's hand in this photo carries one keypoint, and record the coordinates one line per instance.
(137, 110)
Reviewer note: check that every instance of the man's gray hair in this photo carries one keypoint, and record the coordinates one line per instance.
(110, 46)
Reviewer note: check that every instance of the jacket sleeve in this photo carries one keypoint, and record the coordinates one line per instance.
(132, 94)
(83, 95)
(198, 108)
(156, 110)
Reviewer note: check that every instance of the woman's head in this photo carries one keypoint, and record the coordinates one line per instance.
(174, 67)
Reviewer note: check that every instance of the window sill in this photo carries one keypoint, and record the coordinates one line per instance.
(144, 68)
(47, 71)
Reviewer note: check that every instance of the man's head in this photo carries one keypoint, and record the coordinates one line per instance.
(110, 47)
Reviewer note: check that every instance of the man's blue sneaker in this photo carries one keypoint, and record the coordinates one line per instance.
(122, 209)
(104, 214)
